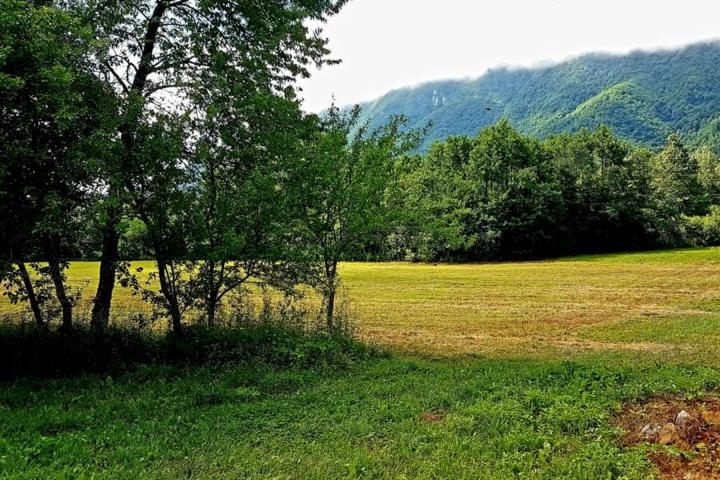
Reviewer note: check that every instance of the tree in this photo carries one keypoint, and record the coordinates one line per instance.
(708, 173)
(676, 181)
(161, 198)
(51, 111)
(347, 172)
(513, 193)
(214, 205)
(502, 195)
(430, 194)
(492, 196)
(185, 46)
(605, 187)
(247, 151)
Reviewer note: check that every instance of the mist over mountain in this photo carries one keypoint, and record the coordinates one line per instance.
(642, 96)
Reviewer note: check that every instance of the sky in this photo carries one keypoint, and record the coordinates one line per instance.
(388, 44)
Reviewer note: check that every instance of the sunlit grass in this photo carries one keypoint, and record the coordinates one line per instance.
(537, 307)
(664, 301)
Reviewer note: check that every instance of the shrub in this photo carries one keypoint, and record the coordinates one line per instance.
(703, 230)
(26, 351)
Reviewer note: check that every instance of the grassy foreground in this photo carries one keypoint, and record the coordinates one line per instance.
(385, 418)
(501, 371)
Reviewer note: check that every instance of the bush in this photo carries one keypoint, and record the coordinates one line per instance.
(25, 351)
(268, 344)
(703, 231)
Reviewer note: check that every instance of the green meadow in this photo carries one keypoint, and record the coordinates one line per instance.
(503, 370)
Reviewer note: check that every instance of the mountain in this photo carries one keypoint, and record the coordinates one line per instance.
(642, 96)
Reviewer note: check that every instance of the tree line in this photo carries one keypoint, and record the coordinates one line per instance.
(503, 195)
(172, 130)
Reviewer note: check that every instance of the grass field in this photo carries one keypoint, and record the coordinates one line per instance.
(659, 301)
(510, 370)
(665, 302)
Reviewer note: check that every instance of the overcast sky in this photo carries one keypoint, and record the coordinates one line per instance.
(386, 44)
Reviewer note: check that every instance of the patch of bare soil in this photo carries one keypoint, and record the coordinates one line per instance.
(431, 417)
(682, 436)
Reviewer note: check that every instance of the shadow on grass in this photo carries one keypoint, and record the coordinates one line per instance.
(27, 352)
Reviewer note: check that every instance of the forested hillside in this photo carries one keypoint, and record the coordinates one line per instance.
(641, 96)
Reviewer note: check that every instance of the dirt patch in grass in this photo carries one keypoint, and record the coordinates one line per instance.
(682, 436)
(432, 417)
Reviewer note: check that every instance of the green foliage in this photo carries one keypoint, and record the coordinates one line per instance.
(497, 194)
(676, 180)
(512, 192)
(642, 96)
(134, 243)
(52, 113)
(703, 230)
(708, 164)
(435, 216)
(16, 293)
(346, 179)
(606, 190)
(50, 110)
(505, 195)
(342, 183)
(198, 82)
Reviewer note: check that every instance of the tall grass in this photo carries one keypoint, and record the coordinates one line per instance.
(277, 333)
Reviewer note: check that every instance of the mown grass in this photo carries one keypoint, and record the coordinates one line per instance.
(530, 308)
(509, 370)
(534, 308)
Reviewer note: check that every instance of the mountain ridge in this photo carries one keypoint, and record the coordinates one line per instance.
(643, 96)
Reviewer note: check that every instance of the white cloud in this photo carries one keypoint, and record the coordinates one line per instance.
(386, 44)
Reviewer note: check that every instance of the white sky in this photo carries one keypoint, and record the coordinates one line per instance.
(386, 44)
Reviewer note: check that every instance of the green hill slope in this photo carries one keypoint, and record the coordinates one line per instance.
(643, 96)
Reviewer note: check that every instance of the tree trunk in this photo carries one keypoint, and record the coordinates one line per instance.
(170, 297)
(212, 289)
(211, 308)
(211, 292)
(176, 318)
(111, 237)
(32, 298)
(108, 267)
(330, 307)
(61, 293)
(331, 277)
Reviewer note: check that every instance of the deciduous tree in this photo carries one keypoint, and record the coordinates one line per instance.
(347, 172)
(159, 53)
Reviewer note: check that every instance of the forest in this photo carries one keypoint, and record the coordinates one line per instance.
(503, 195)
(643, 96)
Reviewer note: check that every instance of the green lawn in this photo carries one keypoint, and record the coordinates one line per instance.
(509, 370)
